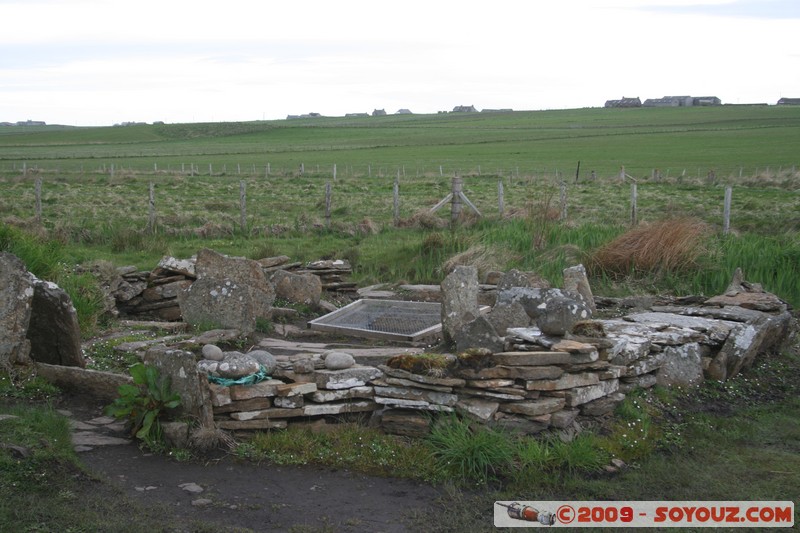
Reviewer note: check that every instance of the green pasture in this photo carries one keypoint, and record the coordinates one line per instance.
(95, 185)
(727, 139)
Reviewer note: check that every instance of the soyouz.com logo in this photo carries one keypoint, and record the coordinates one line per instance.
(644, 514)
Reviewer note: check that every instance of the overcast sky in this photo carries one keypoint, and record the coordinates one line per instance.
(100, 62)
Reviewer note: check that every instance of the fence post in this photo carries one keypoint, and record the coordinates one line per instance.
(500, 198)
(302, 168)
(634, 196)
(455, 202)
(563, 198)
(396, 203)
(39, 200)
(726, 212)
(238, 168)
(334, 172)
(151, 220)
(328, 204)
(243, 206)
(369, 171)
(112, 170)
(268, 169)
(441, 173)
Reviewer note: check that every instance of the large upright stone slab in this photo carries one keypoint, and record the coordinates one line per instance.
(222, 304)
(576, 280)
(185, 380)
(459, 301)
(53, 331)
(231, 292)
(16, 296)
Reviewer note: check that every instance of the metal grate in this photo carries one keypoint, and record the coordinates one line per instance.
(383, 319)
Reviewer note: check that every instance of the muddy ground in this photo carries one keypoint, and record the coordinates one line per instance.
(232, 493)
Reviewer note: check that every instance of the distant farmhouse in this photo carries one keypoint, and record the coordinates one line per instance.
(379, 113)
(404, 112)
(624, 102)
(26, 123)
(682, 101)
(666, 101)
(465, 109)
(307, 115)
(789, 101)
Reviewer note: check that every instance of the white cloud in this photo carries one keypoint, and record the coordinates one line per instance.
(102, 61)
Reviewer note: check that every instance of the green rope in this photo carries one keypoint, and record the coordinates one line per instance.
(250, 379)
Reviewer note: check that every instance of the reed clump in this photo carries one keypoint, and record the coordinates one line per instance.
(670, 245)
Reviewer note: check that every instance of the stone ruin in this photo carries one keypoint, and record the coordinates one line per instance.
(536, 359)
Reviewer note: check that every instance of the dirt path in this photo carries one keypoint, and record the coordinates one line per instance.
(235, 493)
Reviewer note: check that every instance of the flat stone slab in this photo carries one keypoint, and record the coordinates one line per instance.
(356, 376)
(531, 358)
(91, 438)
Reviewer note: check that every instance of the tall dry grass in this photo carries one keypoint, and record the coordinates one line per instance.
(669, 245)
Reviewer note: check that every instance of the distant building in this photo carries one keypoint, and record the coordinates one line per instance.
(624, 102)
(465, 109)
(31, 123)
(789, 101)
(307, 115)
(682, 101)
(669, 101)
(379, 113)
(706, 101)
(404, 112)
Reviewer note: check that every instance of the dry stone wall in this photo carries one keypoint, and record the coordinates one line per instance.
(535, 382)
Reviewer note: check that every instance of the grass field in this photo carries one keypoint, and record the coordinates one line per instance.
(95, 189)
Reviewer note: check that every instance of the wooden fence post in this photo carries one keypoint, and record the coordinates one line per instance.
(563, 197)
(726, 212)
(39, 200)
(334, 172)
(500, 198)
(112, 170)
(243, 206)
(634, 196)
(396, 200)
(302, 168)
(210, 169)
(455, 202)
(151, 220)
(328, 205)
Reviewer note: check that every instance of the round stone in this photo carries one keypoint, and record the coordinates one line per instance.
(265, 359)
(338, 360)
(212, 352)
(207, 366)
(237, 365)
